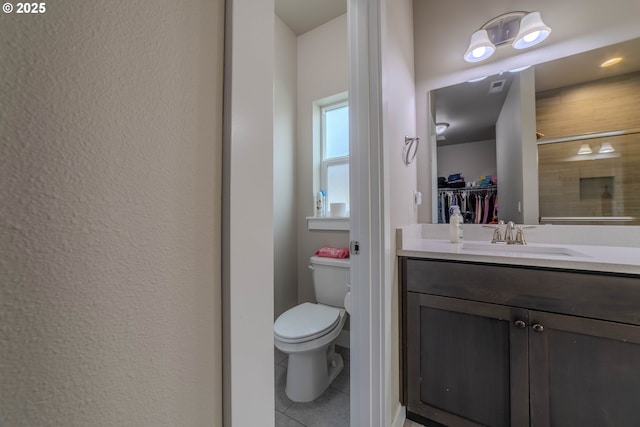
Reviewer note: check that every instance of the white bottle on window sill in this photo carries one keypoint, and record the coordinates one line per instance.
(321, 209)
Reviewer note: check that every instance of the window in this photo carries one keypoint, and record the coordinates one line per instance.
(334, 159)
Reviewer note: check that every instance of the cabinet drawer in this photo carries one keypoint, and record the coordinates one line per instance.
(588, 294)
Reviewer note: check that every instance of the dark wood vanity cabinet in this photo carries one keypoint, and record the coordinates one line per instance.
(509, 346)
(466, 362)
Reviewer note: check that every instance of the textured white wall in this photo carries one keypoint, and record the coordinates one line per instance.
(322, 72)
(110, 214)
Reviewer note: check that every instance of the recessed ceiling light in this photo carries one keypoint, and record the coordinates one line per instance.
(610, 62)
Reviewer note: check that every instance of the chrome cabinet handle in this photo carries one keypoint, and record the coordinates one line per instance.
(520, 324)
(538, 327)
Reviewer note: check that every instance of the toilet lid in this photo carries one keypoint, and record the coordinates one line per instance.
(306, 322)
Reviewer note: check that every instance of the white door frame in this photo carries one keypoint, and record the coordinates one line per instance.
(368, 403)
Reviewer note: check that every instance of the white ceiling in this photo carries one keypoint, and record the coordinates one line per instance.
(305, 15)
(585, 67)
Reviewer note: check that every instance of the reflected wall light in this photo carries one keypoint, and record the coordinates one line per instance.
(611, 62)
(522, 29)
(585, 149)
(441, 127)
(517, 70)
(477, 79)
(606, 147)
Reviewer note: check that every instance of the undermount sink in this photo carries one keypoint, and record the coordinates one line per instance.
(520, 250)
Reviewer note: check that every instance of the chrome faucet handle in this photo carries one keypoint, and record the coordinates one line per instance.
(520, 236)
(497, 236)
(520, 240)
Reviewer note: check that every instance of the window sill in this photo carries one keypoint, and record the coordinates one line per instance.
(328, 223)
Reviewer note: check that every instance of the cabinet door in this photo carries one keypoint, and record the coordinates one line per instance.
(467, 362)
(584, 372)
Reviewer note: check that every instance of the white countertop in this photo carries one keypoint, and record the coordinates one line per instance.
(614, 259)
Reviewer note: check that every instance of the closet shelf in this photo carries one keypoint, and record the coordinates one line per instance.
(484, 188)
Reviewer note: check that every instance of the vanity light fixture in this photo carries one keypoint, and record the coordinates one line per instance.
(585, 149)
(532, 31)
(522, 29)
(480, 47)
(441, 128)
(606, 147)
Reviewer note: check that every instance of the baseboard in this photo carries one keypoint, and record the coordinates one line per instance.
(344, 339)
(401, 416)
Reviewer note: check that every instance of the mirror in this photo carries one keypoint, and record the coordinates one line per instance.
(515, 139)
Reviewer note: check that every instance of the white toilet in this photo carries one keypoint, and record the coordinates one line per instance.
(307, 331)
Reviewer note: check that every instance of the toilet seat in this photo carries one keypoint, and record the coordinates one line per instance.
(306, 322)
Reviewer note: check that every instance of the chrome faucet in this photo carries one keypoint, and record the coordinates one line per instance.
(509, 230)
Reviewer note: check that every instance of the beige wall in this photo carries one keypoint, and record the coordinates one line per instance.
(472, 159)
(516, 153)
(248, 224)
(110, 214)
(322, 72)
(399, 119)
(599, 106)
(285, 292)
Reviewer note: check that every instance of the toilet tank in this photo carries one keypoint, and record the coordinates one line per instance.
(330, 278)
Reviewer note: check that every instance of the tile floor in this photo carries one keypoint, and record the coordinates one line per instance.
(329, 410)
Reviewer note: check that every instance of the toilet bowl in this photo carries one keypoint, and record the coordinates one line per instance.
(307, 332)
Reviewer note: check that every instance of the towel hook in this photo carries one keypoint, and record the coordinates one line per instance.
(410, 149)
